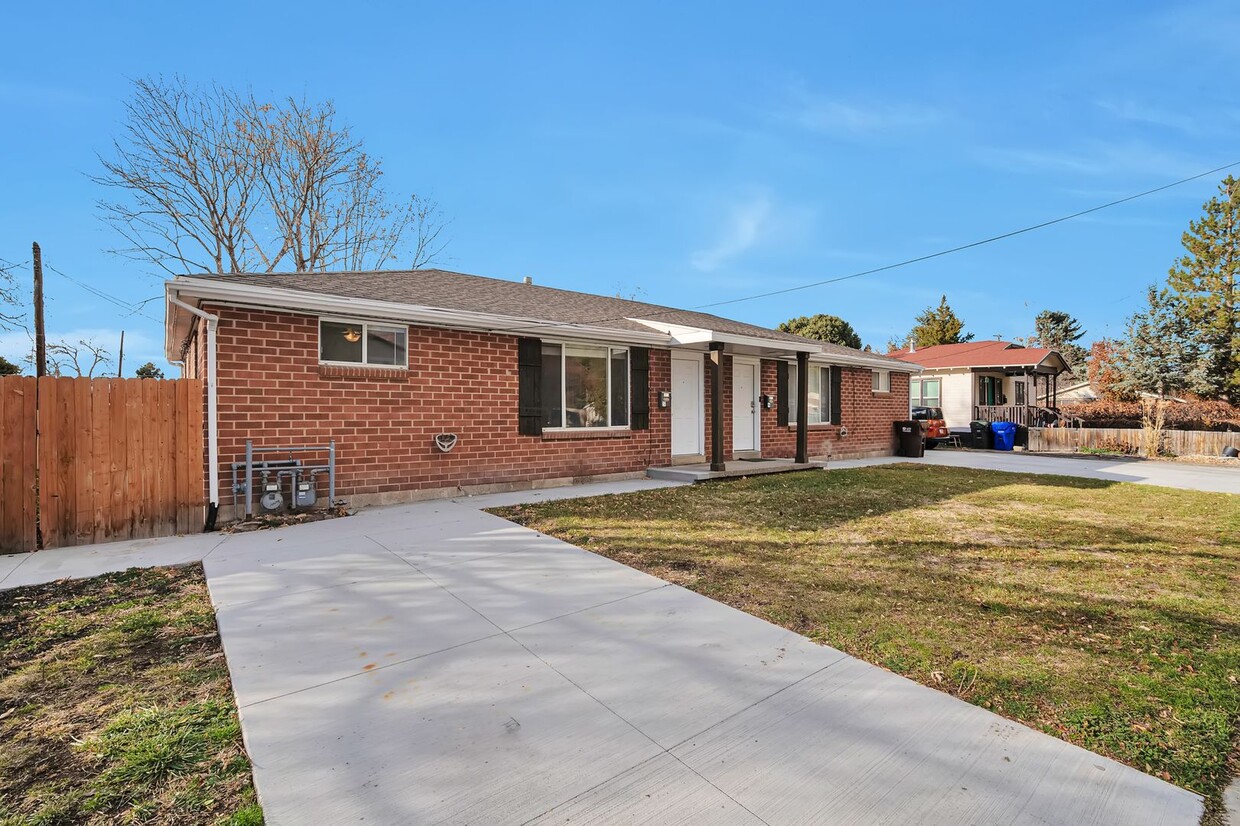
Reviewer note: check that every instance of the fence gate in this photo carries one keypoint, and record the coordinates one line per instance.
(116, 459)
(18, 474)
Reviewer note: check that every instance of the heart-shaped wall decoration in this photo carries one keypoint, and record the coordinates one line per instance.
(445, 441)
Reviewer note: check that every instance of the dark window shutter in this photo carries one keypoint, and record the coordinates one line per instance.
(835, 395)
(781, 393)
(639, 388)
(529, 386)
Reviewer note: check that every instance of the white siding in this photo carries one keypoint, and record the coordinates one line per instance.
(957, 398)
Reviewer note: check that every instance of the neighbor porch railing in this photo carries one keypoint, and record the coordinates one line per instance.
(1025, 415)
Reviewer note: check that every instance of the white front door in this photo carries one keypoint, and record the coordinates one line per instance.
(688, 411)
(744, 406)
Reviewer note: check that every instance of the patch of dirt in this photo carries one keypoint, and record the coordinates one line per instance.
(283, 520)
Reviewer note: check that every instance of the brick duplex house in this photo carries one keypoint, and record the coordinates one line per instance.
(539, 385)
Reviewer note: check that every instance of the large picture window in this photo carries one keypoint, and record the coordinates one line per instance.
(360, 342)
(819, 394)
(585, 386)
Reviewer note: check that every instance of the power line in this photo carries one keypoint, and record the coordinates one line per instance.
(992, 239)
(971, 245)
(133, 309)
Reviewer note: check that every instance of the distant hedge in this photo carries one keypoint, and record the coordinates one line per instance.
(1192, 415)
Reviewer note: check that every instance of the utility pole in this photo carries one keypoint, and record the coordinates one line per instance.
(120, 360)
(40, 336)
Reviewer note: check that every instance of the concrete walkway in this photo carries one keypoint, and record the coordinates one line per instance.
(435, 664)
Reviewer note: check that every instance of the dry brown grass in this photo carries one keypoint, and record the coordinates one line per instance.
(115, 705)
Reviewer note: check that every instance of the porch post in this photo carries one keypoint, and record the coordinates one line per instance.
(802, 408)
(1055, 391)
(716, 406)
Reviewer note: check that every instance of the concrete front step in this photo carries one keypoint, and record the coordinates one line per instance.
(733, 469)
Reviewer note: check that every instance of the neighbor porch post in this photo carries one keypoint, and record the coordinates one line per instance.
(802, 408)
(716, 406)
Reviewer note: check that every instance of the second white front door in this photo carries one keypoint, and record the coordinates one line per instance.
(744, 406)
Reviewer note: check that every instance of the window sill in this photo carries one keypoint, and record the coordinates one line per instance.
(819, 426)
(585, 433)
(362, 371)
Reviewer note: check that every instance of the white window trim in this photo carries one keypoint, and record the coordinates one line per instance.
(365, 327)
(628, 389)
(824, 391)
(884, 377)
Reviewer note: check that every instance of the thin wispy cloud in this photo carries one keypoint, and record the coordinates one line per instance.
(851, 117)
(1132, 159)
(1136, 112)
(744, 228)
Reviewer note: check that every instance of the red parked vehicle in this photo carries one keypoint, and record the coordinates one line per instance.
(933, 426)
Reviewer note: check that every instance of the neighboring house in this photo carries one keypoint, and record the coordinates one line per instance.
(538, 384)
(987, 380)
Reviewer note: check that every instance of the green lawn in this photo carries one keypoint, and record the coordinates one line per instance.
(1105, 614)
(116, 707)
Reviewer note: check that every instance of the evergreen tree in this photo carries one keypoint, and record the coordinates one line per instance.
(1202, 286)
(1056, 330)
(1160, 353)
(149, 371)
(938, 325)
(8, 368)
(824, 327)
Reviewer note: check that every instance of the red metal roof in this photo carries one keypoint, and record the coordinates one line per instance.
(977, 354)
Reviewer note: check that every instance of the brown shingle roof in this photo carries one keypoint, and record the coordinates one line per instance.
(446, 290)
(473, 293)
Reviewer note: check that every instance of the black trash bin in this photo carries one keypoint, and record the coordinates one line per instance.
(909, 440)
(983, 438)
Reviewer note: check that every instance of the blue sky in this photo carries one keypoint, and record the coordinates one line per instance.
(691, 152)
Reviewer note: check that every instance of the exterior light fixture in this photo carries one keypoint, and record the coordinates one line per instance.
(352, 336)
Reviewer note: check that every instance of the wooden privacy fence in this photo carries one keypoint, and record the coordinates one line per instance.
(115, 459)
(1175, 442)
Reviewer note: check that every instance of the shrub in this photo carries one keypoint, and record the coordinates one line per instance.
(1191, 415)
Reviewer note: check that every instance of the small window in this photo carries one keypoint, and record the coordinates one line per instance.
(925, 393)
(1021, 390)
(881, 380)
(359, 342)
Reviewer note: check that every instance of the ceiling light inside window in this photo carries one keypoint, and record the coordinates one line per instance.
(352, 336)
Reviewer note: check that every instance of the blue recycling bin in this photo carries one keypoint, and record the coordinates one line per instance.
(1005, 435)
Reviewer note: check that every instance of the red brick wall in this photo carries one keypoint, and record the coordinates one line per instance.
(866, 415)
(273, 389)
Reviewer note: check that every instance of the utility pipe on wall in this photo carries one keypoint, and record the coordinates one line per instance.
(213, 442)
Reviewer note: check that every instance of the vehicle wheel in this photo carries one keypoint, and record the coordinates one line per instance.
(931, 444)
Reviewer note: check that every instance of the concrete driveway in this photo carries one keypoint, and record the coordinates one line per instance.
(435, 664)
(1216, 478)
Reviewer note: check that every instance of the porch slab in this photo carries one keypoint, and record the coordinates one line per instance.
(732, 470)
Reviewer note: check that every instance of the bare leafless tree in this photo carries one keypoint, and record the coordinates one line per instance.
(211, 180)
(65, 358)
(11, 315)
